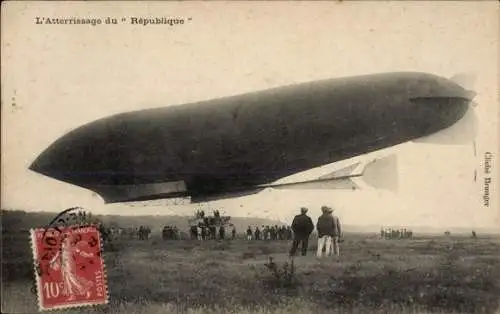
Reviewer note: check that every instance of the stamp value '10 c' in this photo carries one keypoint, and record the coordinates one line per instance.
(69, 267)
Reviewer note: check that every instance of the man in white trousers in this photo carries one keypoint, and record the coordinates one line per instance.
(329, 231)
(337, 233)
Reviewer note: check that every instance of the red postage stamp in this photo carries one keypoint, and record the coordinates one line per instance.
(69, 267)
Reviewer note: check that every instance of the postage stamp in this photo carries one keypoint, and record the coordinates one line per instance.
(69, 267)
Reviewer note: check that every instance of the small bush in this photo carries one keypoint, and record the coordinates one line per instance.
(282, 277)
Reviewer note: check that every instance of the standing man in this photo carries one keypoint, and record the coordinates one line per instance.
(233, 232)
(337, 233)
(302, 227)
(326, 231)
(257, 233)
(266, 232)
(249, 233)
(222, 232)
(272, 233)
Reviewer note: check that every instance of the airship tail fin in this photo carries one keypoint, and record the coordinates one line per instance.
(338, 179)
(327, 184)
(341, 173)
(382, 173)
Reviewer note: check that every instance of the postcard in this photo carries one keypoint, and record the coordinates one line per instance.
(250, 157)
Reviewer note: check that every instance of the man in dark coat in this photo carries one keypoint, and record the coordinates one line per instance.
(257, 233)
(249, 233)
(233, 232)
(302, 227)
(222, 232)
(272, 233)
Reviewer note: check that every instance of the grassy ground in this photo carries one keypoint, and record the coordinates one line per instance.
(427, 275)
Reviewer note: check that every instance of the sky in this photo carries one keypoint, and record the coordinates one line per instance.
(57, 77)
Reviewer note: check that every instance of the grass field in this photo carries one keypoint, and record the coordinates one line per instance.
(423, 275)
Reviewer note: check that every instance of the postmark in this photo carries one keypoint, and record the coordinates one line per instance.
(69, 266)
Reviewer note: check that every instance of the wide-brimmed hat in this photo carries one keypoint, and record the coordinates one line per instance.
(326, 209)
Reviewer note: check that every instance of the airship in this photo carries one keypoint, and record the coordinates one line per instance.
(240, 145)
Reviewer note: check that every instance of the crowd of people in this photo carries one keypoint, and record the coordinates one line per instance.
(328, 228)
(144, 232)
(393, 233)
(170, 233)
(111, 233)
(269, 233)
(201, 214)
(203, 227)
(209, 232)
